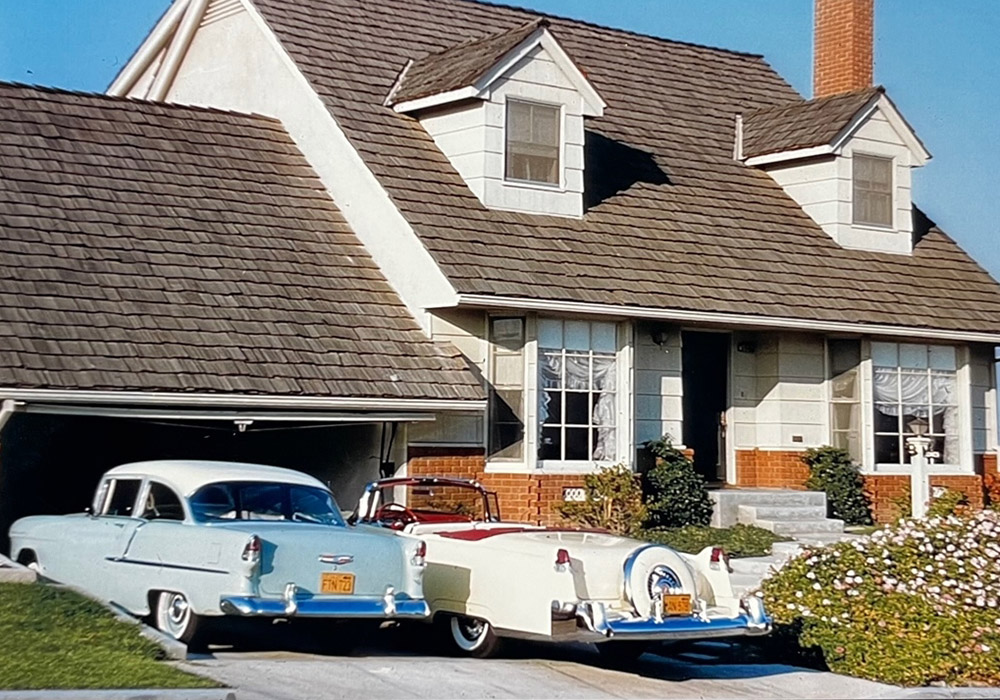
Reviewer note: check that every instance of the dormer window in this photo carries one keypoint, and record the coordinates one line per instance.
(872, 178)
(533, 146)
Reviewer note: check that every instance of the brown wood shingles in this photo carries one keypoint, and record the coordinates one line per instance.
(672, 220)
(154, 247)
(801, 124)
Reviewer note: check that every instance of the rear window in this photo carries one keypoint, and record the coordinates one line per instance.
(264, 501)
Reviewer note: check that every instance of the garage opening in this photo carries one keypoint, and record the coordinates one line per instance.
(51, 464)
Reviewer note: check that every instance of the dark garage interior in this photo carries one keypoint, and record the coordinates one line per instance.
(51, 464)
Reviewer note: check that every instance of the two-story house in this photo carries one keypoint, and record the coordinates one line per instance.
(625, 236)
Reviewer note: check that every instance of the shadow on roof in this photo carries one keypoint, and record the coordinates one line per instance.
(614, 167)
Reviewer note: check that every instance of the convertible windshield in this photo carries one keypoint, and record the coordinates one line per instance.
(430, 502)
(264, 501)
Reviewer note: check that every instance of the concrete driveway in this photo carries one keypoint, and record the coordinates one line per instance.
(397, 665)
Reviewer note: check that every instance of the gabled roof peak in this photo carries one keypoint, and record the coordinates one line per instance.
(467, 70)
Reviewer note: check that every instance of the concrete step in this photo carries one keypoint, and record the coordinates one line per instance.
(728, 501)
(796, 527)
(744, 581)
(756, 566)
(750, 514)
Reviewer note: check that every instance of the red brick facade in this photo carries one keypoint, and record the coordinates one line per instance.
(773, 469)
(842, 53)
(523, 497)
(888, 492)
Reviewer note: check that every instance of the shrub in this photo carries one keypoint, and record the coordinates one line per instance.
(832, 471)
(991, 484)
(951, 502)
(613, 501)
(912, 604)
(675, 493)
(738, 541)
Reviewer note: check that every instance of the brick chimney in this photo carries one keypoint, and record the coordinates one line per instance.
(842, 49)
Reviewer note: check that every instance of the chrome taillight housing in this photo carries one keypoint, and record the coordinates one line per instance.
(420, 554)
(252, 550)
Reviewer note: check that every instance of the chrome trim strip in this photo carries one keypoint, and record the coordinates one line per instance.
(181, 567)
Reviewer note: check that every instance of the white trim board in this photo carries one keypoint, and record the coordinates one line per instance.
(728, 319)
(232, 400)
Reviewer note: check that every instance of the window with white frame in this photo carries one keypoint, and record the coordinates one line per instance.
(845, 396)
(872, 190)
(533, 142)
(577, 390)
(914, 387)
(506, 439)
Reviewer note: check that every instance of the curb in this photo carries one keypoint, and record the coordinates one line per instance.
(127, 694)
(12, 572)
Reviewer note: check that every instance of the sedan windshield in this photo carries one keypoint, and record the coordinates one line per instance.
(264, 501)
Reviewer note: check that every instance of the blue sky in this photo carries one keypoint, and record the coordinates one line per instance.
(940, 61)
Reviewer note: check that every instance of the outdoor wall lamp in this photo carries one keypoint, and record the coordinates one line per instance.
(747, 346)
(660, 336)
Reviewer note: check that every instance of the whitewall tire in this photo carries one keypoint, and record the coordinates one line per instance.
(175, 618)
(473, 637)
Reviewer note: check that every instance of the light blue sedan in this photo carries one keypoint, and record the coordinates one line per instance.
(187, 541)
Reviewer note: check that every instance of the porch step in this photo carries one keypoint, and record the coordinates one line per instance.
(728, 501)
(750, 514)
(795, 528)
(756, 566)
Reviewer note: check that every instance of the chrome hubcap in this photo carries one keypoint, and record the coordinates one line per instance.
(471, 629)
(178, 610)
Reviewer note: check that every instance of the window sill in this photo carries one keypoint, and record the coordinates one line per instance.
(932, 470)
(878, 228)
(582, 466)
(530, 185)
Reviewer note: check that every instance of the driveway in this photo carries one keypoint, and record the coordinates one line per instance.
(395, 665)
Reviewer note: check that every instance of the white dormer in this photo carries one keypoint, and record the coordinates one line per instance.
(508, 113)
(846, 159)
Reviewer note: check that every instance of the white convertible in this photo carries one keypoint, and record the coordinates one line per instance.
(487, 579)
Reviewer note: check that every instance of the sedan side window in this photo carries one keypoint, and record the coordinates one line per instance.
(162, 504)
(123, 494)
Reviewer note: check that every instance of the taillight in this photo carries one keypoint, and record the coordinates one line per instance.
(420, 555)
(562, 560)
(251, 552)
(719, 558)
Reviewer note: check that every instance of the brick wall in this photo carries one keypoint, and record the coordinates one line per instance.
(889, 491)
(523, 497)
(842, 49)
(770, 469)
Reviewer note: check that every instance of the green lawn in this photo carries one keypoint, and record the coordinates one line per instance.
(52, 638)
(738, 541)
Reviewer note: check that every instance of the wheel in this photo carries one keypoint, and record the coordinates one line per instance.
(175, 618)
(473, 637)
(621, 653)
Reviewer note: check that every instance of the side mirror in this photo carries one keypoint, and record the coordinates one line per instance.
(89, 510)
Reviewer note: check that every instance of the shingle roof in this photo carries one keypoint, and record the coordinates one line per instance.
(673, 220)
(153, 247)
(460, 66)
(802, 124)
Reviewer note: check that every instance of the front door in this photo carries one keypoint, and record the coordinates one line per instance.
(705, 358)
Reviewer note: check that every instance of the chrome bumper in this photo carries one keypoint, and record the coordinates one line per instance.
(753, 621)
(388, 606)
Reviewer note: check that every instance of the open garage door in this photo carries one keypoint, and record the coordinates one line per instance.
(52, 456)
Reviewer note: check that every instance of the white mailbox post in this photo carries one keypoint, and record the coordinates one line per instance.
(919, 448)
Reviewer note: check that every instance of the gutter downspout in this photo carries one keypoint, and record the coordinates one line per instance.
(177, 50)
(127, 79)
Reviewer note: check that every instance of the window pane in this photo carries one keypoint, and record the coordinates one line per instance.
(508, 370)
(885, 354)
(845, 355)
(942, 357)
(887, 449)
(577, 443)
(846, 416)
(550, 408)
(844, 386)
(872, 190)
(551, 444)
(603, 337)
(533, 140)
(519, 121)
(577, 408)
(605, 376)
(577, 372)
(550, 333)
(603, 409)
(886, 419)
(604, 445)
(577, 335)
(123, 497)
(913, 356)
(162, 504)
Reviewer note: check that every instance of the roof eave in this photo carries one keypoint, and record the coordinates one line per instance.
(726, 318)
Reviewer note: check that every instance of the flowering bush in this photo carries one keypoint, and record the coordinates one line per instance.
(912, 603)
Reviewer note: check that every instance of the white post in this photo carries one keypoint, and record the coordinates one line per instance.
(920, 490)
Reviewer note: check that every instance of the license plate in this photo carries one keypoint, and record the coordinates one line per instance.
(336, 583)
(676, 604)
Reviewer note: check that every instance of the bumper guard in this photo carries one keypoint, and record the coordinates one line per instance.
(390, 605)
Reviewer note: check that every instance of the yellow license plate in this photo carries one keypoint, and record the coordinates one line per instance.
(336, 583)
(676, 604)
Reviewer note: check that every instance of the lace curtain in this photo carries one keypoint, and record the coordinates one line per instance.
(912, 391)
(577, 378)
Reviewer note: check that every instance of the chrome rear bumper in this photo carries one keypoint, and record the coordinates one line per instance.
(389, 606)
(752, 621)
